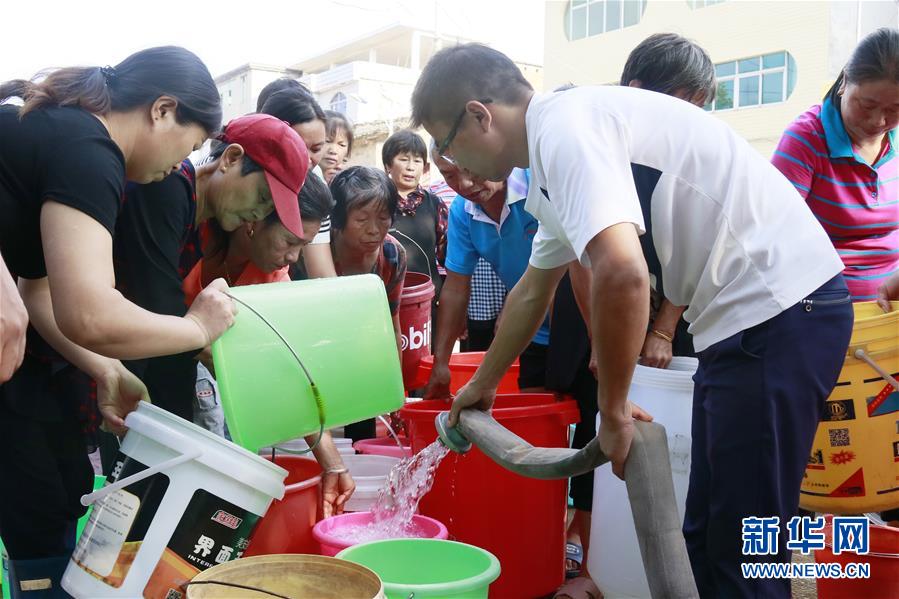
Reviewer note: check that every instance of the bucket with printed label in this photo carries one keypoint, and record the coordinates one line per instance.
(854, 463)
(415, 325)
(179, 500)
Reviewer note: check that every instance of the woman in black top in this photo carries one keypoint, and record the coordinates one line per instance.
(64, 158)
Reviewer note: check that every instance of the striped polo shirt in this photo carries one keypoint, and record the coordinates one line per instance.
(855, 202)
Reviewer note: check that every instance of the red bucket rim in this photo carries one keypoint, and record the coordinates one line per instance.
(542, 404)
(466, 361)
(416, 280)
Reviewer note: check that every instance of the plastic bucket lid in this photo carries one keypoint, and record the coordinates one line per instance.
(288, 575)
(427, 567)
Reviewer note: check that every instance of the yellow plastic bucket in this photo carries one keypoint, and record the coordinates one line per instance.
(287, 576)
(854, 463)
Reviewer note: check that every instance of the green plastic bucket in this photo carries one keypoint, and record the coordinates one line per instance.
(427, 567)
(340, 328)
(99, 481)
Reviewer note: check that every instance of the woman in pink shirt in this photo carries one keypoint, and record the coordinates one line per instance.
(841, 156)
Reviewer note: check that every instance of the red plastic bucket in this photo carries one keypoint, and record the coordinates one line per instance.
(883, 558)
(287, 526)
(463, 366)
(520, 520)
(415, 324)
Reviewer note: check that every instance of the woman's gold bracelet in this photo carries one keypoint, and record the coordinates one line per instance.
(662, 335)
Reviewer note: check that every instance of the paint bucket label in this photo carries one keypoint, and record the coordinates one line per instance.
(119, 523)
(211, 531)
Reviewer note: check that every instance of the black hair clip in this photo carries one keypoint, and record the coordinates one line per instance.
(109, 74)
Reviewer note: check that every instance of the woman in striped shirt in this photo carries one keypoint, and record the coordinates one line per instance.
(841, 157)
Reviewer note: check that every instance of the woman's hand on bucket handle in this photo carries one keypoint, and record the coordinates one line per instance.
(471, 396)
(337, 488)
(888, 292)
(118, 393)
(213, 311)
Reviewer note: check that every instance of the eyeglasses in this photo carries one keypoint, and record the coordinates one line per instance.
(443, 147)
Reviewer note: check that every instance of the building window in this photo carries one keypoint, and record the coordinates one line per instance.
(694, 4)
(754, 81)
(338, 103)
(585, 18)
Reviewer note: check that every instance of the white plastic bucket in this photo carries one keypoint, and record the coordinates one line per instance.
(179, 501)
(344, 447)
(614, 561)
(370, 473)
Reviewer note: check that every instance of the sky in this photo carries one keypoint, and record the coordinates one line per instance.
(226, 34)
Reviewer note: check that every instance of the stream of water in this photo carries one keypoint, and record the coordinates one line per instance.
(398, 499)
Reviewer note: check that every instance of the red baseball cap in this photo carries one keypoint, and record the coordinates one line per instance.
(282, 154)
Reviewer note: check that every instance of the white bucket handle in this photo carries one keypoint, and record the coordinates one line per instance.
(176, 439)
(863, 356)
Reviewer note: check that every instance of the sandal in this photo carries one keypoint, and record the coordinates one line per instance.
(573, 553)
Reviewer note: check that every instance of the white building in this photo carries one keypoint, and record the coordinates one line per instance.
(369, 79)
(773, 59)
(239, 88)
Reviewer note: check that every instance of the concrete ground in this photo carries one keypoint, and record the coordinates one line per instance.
(804, 588)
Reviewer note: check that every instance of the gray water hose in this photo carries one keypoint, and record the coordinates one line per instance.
(650, 487)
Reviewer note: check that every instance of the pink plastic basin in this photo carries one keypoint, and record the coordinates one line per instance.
(330, 545)
(384, 446)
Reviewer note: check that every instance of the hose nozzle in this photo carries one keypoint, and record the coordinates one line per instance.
(451, 438)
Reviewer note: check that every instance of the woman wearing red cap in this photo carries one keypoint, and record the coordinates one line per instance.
(64, 157)
(262, 252)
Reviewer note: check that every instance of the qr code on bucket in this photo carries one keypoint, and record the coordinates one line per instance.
(174, 594)
(839, 437)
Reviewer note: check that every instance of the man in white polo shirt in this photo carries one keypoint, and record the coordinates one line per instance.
(769, 312)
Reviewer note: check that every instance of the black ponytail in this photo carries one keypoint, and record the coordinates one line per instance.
(137, 81)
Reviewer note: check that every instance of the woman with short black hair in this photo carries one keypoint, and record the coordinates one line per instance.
(365, 204)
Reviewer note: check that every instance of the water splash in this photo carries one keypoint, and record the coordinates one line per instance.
(398, 499)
